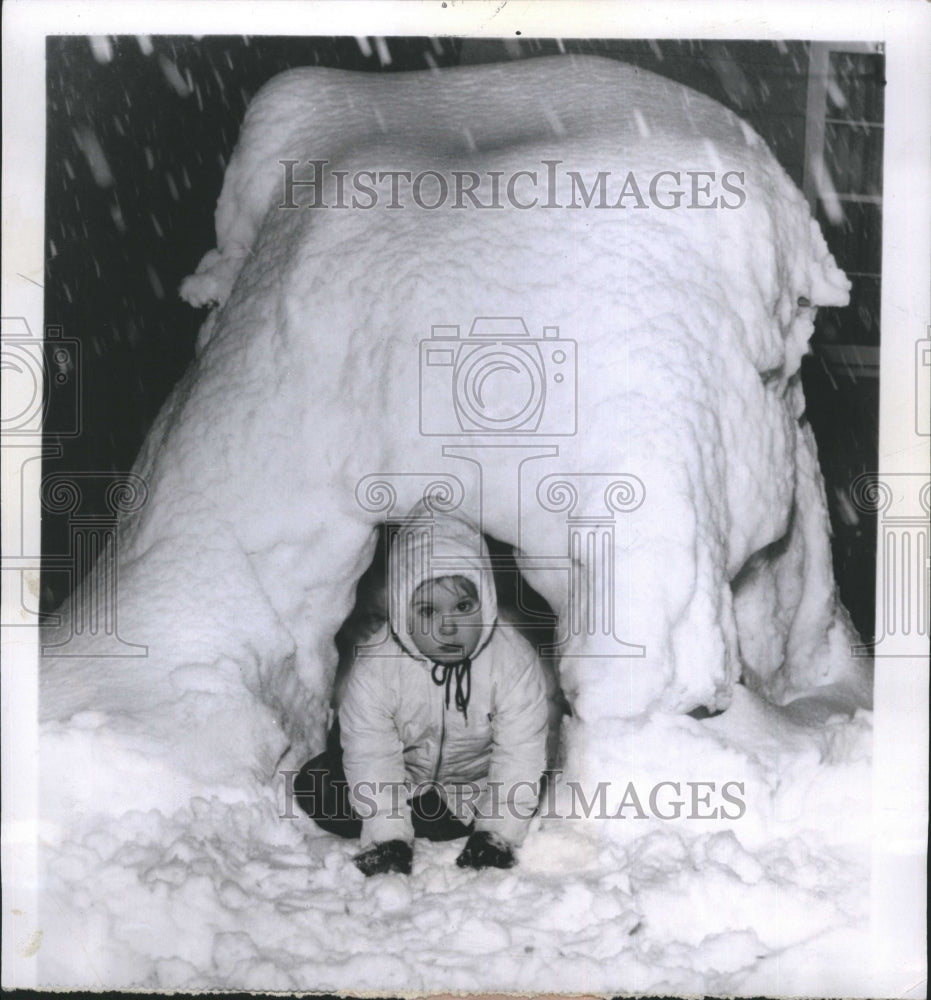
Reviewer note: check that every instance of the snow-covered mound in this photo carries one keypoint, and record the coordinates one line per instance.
(311, 415)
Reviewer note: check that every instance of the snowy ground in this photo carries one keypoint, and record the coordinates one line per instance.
(229, 895)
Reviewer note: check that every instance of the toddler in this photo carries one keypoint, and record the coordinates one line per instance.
(445, 703)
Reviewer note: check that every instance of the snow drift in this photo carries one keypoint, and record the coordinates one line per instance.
(682, 482)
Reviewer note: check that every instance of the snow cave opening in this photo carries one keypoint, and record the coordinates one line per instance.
(520, 606)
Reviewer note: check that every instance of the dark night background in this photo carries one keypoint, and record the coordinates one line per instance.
(139, 132)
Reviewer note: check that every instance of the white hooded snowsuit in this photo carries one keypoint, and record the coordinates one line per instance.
(396, 725)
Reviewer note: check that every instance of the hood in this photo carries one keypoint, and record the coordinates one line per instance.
(430, 545)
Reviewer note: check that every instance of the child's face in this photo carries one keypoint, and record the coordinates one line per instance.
(446, 619)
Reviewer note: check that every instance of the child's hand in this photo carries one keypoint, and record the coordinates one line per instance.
(485, 850)
(388, 856)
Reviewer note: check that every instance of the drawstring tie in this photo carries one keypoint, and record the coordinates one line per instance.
(462, 671)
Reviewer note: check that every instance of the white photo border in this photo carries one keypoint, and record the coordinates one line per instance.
(900, 766)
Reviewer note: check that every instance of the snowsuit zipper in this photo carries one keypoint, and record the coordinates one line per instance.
(439, 753)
